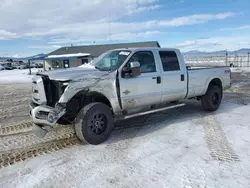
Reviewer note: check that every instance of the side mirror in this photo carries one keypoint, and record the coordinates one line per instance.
(133, 70)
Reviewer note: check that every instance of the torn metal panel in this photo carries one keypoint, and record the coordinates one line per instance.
(101, 82)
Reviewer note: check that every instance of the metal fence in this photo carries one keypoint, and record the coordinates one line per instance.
(226, 60)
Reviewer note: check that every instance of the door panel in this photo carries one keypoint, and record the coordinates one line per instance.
(174, 81)
(140, 91)
(144, 89)
(172, 86)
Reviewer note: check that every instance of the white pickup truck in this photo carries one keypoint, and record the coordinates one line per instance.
(121, 84)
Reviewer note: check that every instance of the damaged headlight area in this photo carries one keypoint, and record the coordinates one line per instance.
(54, 89)
(63, 85)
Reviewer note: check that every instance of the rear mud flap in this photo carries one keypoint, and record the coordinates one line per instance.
(39, 131)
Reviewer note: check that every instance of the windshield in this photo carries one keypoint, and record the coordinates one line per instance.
(111, 60)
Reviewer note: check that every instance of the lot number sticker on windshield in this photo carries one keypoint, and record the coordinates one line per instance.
(124, 53)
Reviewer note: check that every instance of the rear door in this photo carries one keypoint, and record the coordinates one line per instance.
(144, 89)
(174, 81)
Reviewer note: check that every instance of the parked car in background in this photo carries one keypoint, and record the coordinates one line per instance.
(31, 65)
(1, 67)
(39, 65)
(22, 66)
(8, 67)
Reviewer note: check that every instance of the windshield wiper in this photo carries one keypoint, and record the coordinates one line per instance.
(101, 69)
(97, 68)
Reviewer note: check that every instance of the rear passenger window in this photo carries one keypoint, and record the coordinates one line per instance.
(169, 61)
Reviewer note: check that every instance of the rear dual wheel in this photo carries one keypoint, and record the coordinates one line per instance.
(94, 123)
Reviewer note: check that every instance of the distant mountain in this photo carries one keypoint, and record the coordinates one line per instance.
(222, 52)
(244, 51)
(23, 58)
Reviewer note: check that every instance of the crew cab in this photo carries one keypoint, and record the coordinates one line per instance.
(121, 84)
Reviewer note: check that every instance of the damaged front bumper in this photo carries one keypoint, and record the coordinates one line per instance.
(44, 117)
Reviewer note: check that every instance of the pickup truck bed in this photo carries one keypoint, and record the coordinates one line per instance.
(198, 77)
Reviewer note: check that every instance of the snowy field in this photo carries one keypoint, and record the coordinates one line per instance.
(17, 75)
(184, 147)
(241, 69)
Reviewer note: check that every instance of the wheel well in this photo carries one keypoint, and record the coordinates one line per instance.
(216, 82)
(81, 99)
(98, 97)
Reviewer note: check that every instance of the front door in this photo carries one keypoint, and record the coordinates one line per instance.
(145, 89)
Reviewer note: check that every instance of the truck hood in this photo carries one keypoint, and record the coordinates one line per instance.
(74, 74)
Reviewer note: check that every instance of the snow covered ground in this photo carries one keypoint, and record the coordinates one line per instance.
(241, 69)
(188, 148)
(17, 75)
(184, 147)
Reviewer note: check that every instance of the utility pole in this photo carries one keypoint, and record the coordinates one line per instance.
(248, 59)
(226, 58)
(29, 67)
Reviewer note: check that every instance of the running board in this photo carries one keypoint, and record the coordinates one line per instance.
(153, 111)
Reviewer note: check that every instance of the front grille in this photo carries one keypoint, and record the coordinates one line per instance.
(53, 90)
(38, 94)
(46, 91)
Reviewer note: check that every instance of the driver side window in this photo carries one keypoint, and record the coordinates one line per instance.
(146, 60)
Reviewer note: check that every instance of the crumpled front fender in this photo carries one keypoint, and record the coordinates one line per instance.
(73, 88)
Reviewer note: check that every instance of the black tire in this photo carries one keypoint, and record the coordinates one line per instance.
(212, 99)
(86, 126)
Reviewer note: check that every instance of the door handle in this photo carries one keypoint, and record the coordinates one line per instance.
(158, 79)
(182, 77)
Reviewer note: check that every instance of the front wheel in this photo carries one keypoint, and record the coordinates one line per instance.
(212, 99)
(94, 123)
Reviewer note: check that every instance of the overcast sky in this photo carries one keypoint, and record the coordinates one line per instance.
(29, 27)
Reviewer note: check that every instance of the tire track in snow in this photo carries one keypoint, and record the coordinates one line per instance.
(28, 139)
(216, 140)
(17, 143)
(17, 155)
(15, 101)
(14, 108)
(15, 129)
